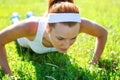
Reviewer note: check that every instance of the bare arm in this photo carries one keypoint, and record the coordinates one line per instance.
(99, 32)
(21, 29)
(3, 61)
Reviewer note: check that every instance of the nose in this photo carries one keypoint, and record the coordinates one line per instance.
(66, 44)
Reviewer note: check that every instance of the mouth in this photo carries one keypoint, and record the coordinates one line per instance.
(63, 50)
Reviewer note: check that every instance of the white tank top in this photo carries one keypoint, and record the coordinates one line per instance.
(36, 45)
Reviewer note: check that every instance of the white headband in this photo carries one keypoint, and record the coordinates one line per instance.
(63, 17)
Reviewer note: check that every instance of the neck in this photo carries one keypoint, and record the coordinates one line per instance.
(46, 40)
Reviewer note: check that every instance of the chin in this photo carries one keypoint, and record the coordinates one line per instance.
(61, 51)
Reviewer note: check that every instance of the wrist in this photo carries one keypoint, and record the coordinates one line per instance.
(94, 60)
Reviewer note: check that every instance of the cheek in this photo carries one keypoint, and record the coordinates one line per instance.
(55, 41)
(72, 42)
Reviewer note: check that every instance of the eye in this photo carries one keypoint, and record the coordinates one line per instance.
(60, 38)
(74, 38)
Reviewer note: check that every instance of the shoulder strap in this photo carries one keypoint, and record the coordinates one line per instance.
(40, 30)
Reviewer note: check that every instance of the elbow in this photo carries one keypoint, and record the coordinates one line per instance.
(2, 42)
(105, 33)
(1, 46)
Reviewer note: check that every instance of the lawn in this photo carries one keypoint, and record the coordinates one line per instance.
(74, 65)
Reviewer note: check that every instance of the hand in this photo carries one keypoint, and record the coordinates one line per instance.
(93, 61)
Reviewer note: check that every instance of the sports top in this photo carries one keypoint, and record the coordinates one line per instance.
(36, 45)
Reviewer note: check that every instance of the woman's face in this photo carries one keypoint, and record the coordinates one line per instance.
(62, 36)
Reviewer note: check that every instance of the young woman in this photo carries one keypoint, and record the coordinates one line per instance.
(56, 31)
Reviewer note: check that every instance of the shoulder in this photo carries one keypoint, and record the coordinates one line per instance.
(92, 28)
(31, 25)
(86, 24)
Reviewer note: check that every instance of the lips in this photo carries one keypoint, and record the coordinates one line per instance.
(64, 50)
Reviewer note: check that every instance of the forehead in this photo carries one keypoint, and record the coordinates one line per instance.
(65, 30)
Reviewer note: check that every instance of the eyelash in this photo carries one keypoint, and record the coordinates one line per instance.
(73, 38)
(60, 38)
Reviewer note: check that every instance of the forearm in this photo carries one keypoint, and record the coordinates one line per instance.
(99, 47)
(3, 61)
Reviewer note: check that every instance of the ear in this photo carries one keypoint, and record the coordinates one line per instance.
(48, 29)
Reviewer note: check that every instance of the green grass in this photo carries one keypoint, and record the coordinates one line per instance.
(26, 65)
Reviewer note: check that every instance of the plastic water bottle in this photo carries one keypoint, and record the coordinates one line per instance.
(15, 17)
(29, 14)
